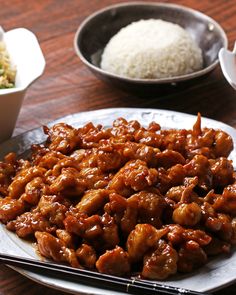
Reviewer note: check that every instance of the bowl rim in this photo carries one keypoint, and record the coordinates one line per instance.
(170, 80)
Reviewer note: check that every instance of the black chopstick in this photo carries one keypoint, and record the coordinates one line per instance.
(131, 286)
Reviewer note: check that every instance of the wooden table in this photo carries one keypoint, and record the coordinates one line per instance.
(67, 86)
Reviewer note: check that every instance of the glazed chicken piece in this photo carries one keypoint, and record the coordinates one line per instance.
(91, 135)
(68, 183)
(24, 176)
(67, 238)
(124, 130)
(7, 172)
(200, 141)
(171, 177)
(143, 238)
(209, 215)
(222, 171)
(178, 235)
(108, 159)
(116, 207)
(225, 230)
(148, 137)
(53, 208)
(62, 138)
(100, 231)
(191, 256)
(208, 142)
(187, 214)
(173, 139)
(65, 163)
(87, 256)
(43, 157)
(150, 207)
(184, 193)
(28, 223)
(223, 144)
(10, 209)
(94, 178)
(160, 263)
(33, 191)
(110, 236)
(124, 211)
(169, 158)
(83, 226)
(114, 262)
(134, 176)
(105, 156)
(92, 201)
(222, 225)
(138, 151)
(199, 166)
(227, 201)
(133, 131)
(52, 247)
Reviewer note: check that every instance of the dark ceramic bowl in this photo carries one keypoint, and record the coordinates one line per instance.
(96, 30)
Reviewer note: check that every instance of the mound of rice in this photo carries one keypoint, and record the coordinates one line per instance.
(150, 49)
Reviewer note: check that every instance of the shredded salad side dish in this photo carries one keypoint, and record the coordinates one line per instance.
(7, 70)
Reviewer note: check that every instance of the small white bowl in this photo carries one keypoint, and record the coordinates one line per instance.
(228, 65)
(25, 53)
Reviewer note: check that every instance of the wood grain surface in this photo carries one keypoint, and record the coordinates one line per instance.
(67, 86)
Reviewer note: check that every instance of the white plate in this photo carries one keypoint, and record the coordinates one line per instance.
(214, 275)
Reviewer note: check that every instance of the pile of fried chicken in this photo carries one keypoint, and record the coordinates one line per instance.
(125, 199)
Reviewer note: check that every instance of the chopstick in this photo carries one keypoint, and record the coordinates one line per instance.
(130, 286)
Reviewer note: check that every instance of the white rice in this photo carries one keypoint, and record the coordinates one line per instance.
(150, 49)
